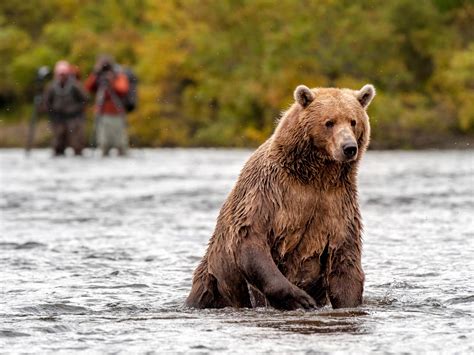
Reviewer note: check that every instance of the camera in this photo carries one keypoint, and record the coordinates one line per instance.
(43, 74)
(105, 68)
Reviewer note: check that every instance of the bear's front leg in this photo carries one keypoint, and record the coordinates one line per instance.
(261, 271)
(346, 279)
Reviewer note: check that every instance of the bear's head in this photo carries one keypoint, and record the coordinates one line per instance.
(335, 121)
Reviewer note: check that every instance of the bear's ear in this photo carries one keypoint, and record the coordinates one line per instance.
(303, 95)
(365, 95)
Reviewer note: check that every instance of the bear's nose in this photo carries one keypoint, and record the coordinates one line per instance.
(350, 150)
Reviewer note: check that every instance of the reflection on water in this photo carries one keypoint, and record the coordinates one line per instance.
(342, 321)
(97, 255)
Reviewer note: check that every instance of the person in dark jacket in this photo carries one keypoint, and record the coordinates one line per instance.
(65, 100)
(110, 85)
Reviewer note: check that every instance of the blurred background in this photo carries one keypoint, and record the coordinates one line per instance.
(97, 255)
(218, 73)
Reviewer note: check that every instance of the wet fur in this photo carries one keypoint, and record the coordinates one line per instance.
(289, 233)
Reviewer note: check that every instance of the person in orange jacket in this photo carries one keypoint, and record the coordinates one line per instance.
(110, 86)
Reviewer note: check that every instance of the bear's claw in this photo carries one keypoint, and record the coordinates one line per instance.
(290, 298)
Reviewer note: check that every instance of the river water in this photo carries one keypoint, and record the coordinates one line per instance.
(97, 255)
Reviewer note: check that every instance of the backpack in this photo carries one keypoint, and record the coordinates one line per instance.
(130, 99)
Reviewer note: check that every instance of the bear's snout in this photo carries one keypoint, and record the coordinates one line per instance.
(344, 147)
(350, 150)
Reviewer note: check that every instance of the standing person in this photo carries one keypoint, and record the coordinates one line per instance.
(111, 86)
(65, 100)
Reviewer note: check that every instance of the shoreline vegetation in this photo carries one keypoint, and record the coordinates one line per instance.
(219, 73)
(14, 136)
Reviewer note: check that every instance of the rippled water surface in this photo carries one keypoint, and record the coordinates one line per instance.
(97, 255)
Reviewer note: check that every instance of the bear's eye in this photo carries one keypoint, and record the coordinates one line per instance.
(353, 123)
(329, 124)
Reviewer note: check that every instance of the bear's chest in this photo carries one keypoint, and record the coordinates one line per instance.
(309, 222)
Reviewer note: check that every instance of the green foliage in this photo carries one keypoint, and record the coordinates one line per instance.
(453, 86)
(220, 72)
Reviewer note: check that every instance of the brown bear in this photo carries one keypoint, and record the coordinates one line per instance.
(289, 233)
